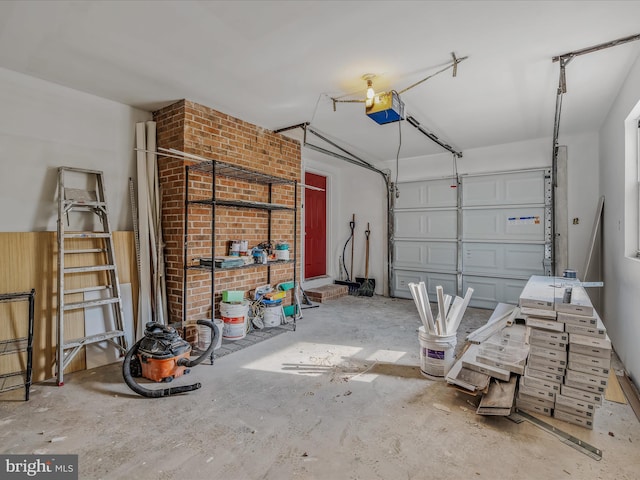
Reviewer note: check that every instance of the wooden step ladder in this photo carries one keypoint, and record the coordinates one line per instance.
(94, 247)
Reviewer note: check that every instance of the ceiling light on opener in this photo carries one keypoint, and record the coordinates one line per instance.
(369, 79)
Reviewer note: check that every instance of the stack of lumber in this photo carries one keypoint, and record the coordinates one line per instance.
(570, 354)
(495, 354)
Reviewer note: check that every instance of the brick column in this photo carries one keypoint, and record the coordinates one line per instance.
(200, 130)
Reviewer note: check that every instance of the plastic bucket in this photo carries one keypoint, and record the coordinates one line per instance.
(437, 353)
(204, 335)
(234, 317)
(282, 254)
(272, 316)
(191, 333)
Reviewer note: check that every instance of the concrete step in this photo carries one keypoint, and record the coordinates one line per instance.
(327, 292)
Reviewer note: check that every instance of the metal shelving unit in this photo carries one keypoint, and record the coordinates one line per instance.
(220, 169)
(17, 345)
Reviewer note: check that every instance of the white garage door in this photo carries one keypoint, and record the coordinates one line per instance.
(491, 233)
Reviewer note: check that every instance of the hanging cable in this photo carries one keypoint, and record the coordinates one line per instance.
(397, 191)
(455, 170)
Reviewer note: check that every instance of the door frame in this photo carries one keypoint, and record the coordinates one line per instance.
(330, 247)
(326, 227)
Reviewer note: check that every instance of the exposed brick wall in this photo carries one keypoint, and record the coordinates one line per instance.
(170, 134)
(203, 131)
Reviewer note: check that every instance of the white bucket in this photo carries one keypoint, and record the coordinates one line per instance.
(437, 353)
(282, 254)
(272, 316)
(204, 335)
(234, 316)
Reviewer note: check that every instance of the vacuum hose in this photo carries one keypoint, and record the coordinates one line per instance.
(186, 362)
(157, 393)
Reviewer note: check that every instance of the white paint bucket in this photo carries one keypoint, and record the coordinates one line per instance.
(234, 317)
(272, 316)
(437, 353)
(204, 335)
(282, 254)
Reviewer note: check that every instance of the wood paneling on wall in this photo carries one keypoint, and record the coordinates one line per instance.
(29, 261)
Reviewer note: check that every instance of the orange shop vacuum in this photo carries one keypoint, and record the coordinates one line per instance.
(162, 355)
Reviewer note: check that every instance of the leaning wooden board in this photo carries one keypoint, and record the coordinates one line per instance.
(499, 399)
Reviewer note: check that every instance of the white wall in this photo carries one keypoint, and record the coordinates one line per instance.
(618, 183)
(352, 189)
(43, 126)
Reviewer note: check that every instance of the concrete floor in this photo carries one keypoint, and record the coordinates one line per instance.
(340, 398)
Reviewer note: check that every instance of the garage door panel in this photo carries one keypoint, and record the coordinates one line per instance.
(426, 224)
(501, 242)
(429, 194)
(426, 255)
(489, 291)
(502, 259)
(504, 224)
(515, 188)
(432, 280)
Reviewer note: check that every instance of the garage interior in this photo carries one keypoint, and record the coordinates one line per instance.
(208, 152)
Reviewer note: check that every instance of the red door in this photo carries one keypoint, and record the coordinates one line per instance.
(315, 226)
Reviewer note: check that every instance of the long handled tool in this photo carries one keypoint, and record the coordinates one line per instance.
(367, 287)
(353, 286)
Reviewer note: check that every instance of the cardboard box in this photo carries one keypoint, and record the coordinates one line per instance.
(577, 319)
(536, 392)
(538, 293)
(595, 347)
(595, 398)
(544, 324)
(546, 364)
(598, 330)
(552, 344)
(579, 367)
(540, 383)
(586, 378)
(575, 411)
(575, 419)
(538, 312)
(542, 402)
(560, 355)
(599, 362)
(580, 303)
(538, 334)
(533, 408)
(584, 386)
(574, 403)
(543, 375)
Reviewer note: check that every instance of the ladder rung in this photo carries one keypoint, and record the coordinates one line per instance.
(87, 235)
(100, 337)
(86, 289)
(85, 250)
(83, 203)
(94, 268)
(91, 303)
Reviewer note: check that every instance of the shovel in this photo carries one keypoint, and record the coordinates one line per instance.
(368, 285)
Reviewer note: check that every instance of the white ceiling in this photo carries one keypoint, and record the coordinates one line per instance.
(276, 63)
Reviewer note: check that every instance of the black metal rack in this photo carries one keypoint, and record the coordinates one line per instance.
(216, 168)
(17, 345)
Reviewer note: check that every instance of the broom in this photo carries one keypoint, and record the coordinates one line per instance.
(367, 288)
